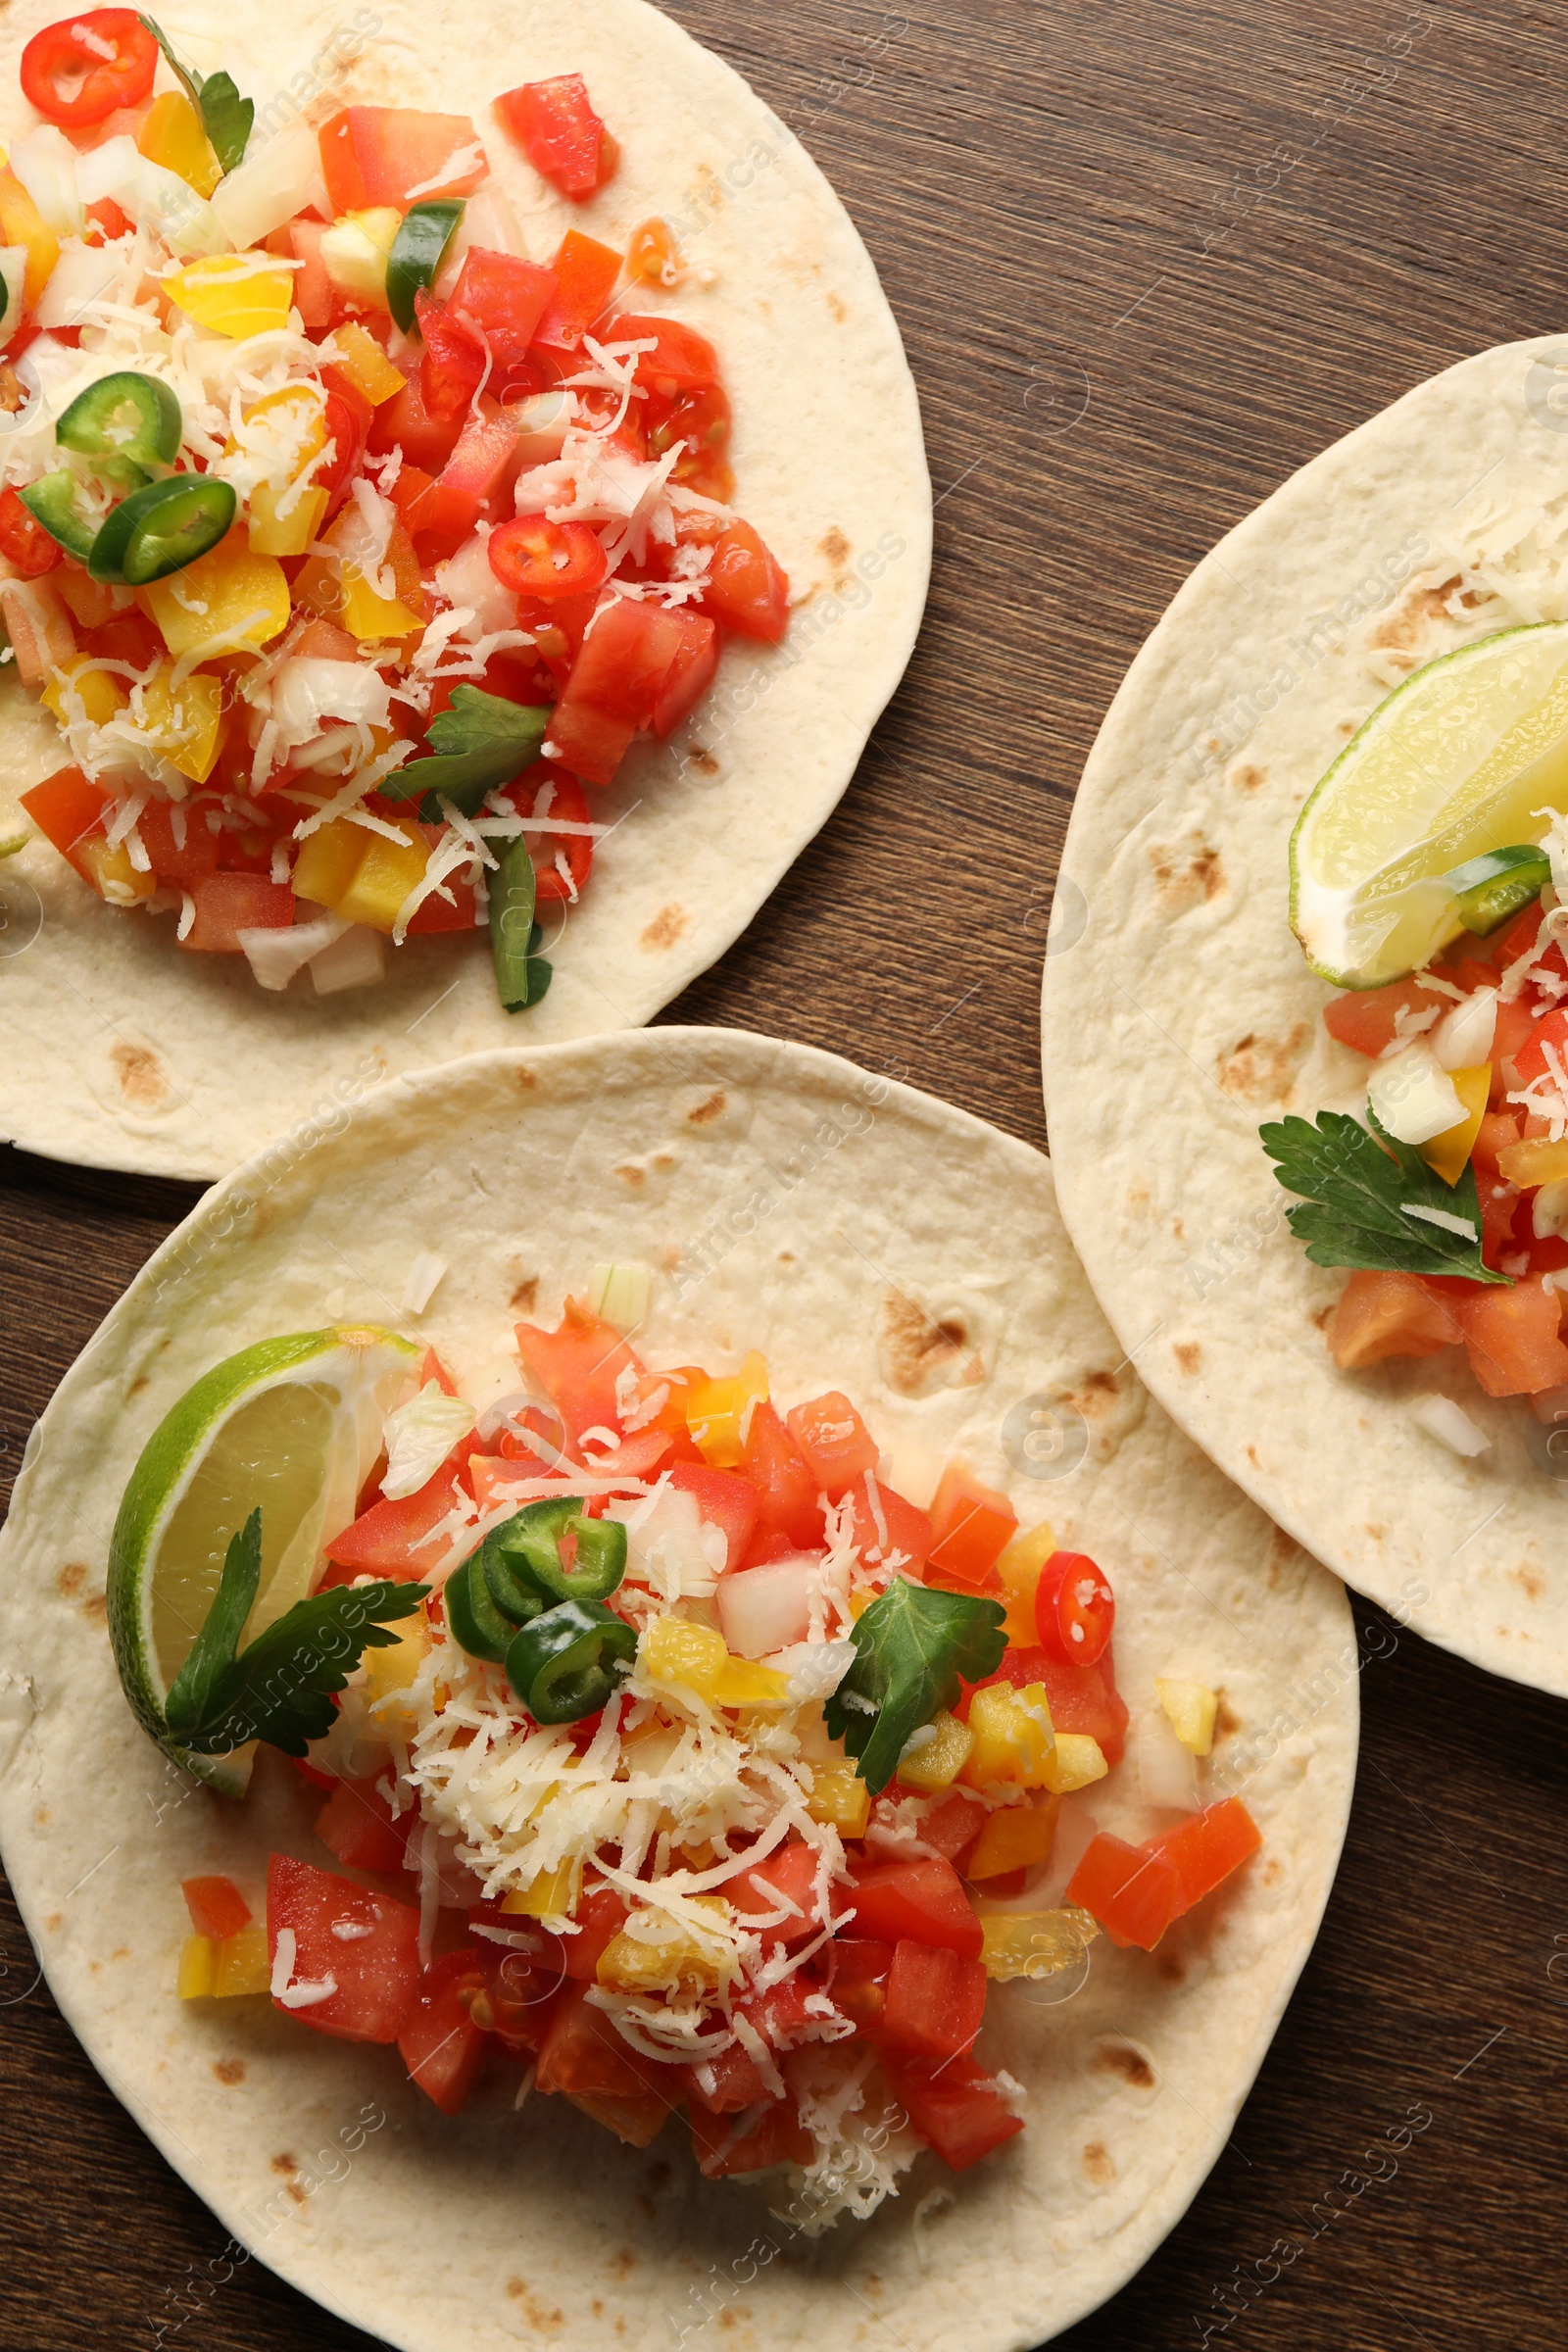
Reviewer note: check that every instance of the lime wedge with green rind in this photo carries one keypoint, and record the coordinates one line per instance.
(292, 1424)
(1465, 757)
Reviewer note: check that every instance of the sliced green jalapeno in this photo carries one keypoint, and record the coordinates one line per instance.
(531, 1545)
(161, 528)
(1491, 888)
(475, 1623)
(126, 423)
(568, 1662)
(53, 504)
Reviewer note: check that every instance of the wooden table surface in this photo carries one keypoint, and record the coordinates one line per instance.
(1147, 257)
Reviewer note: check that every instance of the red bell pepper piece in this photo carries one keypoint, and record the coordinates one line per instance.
(971, 1525)
(585, 273)
(24, 543)
(66, 808)
(554, 124)
(1132, 1891)
(454, 363)
(1207, 1847)
(217, 1907)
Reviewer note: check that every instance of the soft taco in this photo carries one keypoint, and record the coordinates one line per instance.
(462, 509)
(665, 1715)
(1309, 928)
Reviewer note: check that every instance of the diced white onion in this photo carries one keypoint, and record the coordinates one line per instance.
(1450, 1424)
(84, 273)
(282, 178)
(467, 579)
(311, 687)
(419, 1436)
(46, 164)
(355, 959)
(543, 424)
(1167, 1772)
(151, 196)
(1413, 1098)
(1462, 1039)
(274, 955)
(1548, 1210)
(423, 1275)
(768, 1608)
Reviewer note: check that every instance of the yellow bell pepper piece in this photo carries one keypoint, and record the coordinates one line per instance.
(172, 135)
(366, 363)
(656, 1953)
(676, 1652)
(840, 1797)
(935, 1764)
(1035, 1944)
(395, 1667)
(235, 294)
(369, 617)
(1020, 1569)
(182, 723)
(1015, 1838)
(1533, 1161)
(22, 223)
(1075, 1761)
(328, 863)
(1448, 1155)
(860, 1600)
(286, 533)
(198, 1968)
(284, 522)
(112, 873)
(715, 1411)
(550, 1894)
(1191, 1708)
(95, 695)
(354, 251)
(740, 1683)
(1012, 1737)
(224, 600)
(383, 878)
(242, 1965)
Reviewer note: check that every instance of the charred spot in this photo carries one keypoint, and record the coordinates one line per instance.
(71, 1578)
(838, 308)
(1098, 2164)
(1246, 779)
(1530, 1582)
(701, 758)
(229, 2071)
(713, 1108)
(1405, 625)
(632, 1175)
(1226, 1720)
(1169, 1964)
(1251, 1455)
(143, 1078)
(835, 547)
(1186, 874)
(1187, 1354)
(524, 1079)
(1260, 1068)
(526, 1291)
(284, 2164)
(666, 928)
(137, 1386)
(919, 1349)
(95, 1608)
(1120, 2058)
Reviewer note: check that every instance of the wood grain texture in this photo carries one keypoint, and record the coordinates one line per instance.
(1108, 383)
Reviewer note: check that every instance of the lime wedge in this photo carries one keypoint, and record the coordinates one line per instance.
(1455, 761)
(292, 1424)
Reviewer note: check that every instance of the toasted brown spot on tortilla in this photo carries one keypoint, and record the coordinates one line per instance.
(1251, 1455)
(621, 2265)
(664, 1159)
(296, 2191)
(284, 2164)
(1187, 1354)
(701, 757)
(1323, 1316)
(1186, 874)
(1097, 2163)
(1170, 1965)
(96, 1607)
(835, 547)
(1138, 1195)
(1225, 1720)
(727, 2317)
(537, 2314)
(143, 1078)
(1120, 2058)
(918, 1348)
(230, 2070)
(786, 1257)
(1246, 779)
(837, 307)
(523, 1079)
(1530, 1580)
(71, 1578)
(1346, 726)
(1261, 1068)
(1095, 1394)
(1376, 1529)
(666, 928)
(596, 2307)
(713, 1108)
(1273, 1871)
(1404, 626)
(137, 1385)
(633, 1175)
(54, 1923)
(526, 1291)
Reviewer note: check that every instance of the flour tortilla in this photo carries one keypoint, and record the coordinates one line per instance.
(1178, 1011)
(122, 1052)
(861, 1234)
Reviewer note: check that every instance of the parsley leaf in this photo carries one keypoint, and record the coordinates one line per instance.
(1356, 1190)
(482, 741)
(912, 1647)
(227, 117)
(277, 1688)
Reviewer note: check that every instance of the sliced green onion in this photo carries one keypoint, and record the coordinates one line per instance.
(417, 252)
(1491, 888)
(568, 1662)
(53, 502)
(162, 529)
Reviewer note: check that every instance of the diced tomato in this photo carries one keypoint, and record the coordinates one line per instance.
(583, 2056)
(1381, 1314)
(484, 462)
(971, 1526)
(1500, 1216)
(600, 1914)
(227, 904)
(585, 275)
(923, 1899)
(1529, 1058)
(67, 808)
(405, 423)
(579, 1365)
(835, 1442)
(521, 1986)
(554, 124)
(313, 1772)
(217, 1907)
(1132, 1891)
(436, 520)
(702, 423)
(746, 588)
(880, 1509)
(589, 741)
(25, 544)
(434, 913)
(384, 1541)
(567, 802)
(454, 361)
(1499, 1132)
(182, 862)
(312, 288)
(682, 360)
(788, 1495)
(506, 298)
(954, 2105)
(690, 674)
(377, 1972)
(725, 1500)
(535, 557)
(79, 70)
(441, 2046)
(723, 2151)
(732, 2080)
(1206, 1848)
(786, 1881)
(953, 1824)
(128, 637)
(935, 2000)
(1514, 1028)
(1365, 1018)
(626, 657)
(356, 1823)
(855, 1979)
(378, 155)
(1075, 1610)
(1510, 1337)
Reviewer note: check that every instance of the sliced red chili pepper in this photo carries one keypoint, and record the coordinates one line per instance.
(1075, 1610)
(76, 71)
(535, 557)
